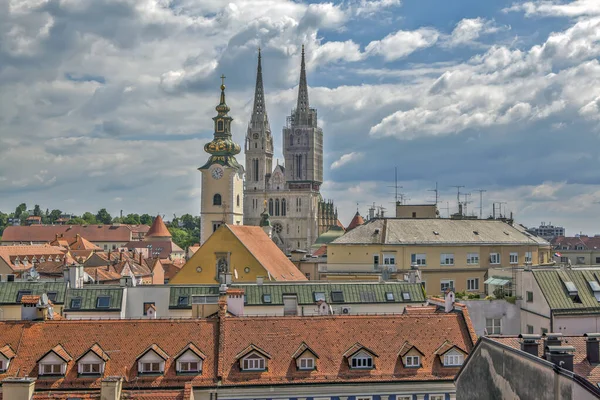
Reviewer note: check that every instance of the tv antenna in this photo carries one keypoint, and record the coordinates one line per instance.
(458, 194)
(467, 195)
(481, 192)
(437, 193)
(396, 187)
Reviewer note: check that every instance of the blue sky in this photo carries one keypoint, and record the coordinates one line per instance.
(107, 103)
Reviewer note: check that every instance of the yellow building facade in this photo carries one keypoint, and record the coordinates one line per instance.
(448, 253)
(236, 253)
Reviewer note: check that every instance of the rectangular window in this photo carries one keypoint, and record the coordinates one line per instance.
(529, 297)
(413, 361)
(473, 284)
(2, 367)
(418, 259)
(528, 257)
(493, 326)
(151, 367)
(446, 284)
(436, 397)
(90, 368)
(376, 259)
(182, 301)
(307, 363)
(22, 293)
(216, 225)
(564, 260)
(514, 258)
(337, 297)
(76, 303)
(580, 260)
(102, 302)
(597, 260)
(473, 259)
(10, 278)
(544, 331)
(147, 306)
(494, 258)
(319, 296)
(529, 328)
(389, 259)
(364, 398)
(51, 369)
(389, 296)
(447, 259)
(266, 298)
(189, 366)
(254, 364)
(52, 296)
(453, 359)
(362, 362)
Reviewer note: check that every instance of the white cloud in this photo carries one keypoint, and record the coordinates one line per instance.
(374, 7)
(346, 159)
(575, 8)
(337, 51)
(468, 30)
(403, 43)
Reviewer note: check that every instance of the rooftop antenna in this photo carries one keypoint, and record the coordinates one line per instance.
(447, 208)
(436, 191)
(467, 195)
(458, 194)
(481, 192)
(396, 187)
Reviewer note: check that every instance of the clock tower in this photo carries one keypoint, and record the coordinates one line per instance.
(222, 176)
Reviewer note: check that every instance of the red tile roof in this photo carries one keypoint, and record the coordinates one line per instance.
(48, 233)
(321, 251)
(158, 229)
(581, 365)
(9, 254)
(267, 253)
(357, 220)
(30, 299)
(7, 352)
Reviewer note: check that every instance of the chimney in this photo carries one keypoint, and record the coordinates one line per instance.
(530, 343)
(18, 388)
(110, 388)
(449, 301)
(561, 356)
(592, 347)
(235, 301)
(551, 339)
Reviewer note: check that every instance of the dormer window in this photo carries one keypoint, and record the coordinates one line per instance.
(361, 360)
(152, 361)
(453, 359)
(54, 362)
(92, 362)
(6, 355)
(305, 357)
(306, 363)
(190, 360)
(253, 362)
(412, 361)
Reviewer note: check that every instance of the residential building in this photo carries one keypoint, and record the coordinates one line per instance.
(228, 356)
(16, 259)
(448, 253)
(107, 237)
(95, 302)
(222, 177)
(547, 232)
(562, 368)
(158, 243)
(236, 253)
(290, 193)
(560, 300)
(416, 210)
(12, 306)
(33, 220)
(578, 250)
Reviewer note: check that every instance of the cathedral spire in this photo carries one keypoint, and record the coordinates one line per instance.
(302, 107)
(259, 117)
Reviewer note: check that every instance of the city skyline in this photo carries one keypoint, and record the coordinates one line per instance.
(500, 97)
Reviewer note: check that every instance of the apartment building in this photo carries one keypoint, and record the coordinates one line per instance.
(577, 250)
(448, 253)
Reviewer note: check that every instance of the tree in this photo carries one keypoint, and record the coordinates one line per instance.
(146, 219)
(37, 211)
(77, 221)
(181, 237)
(88, 218)
(189, 222)
(54, 215)
(132, 219)
(103, 216)
(20, 210)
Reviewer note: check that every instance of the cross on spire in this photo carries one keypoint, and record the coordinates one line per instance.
(223, 79)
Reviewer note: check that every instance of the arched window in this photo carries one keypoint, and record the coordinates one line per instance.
(277, 207)
(220, 126)
(217, 200)
(283, 206)
(271, 206)
(238, 200)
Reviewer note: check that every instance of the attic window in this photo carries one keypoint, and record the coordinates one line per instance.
(406, 296)
(389, 296)
(254, 362)
(22, 293)
(367, 297)
(52, 296)
(361, 360)
(573, 292)
(76, 303)
(182, 301)
(319, 296)
(102, 301)
(337, 297)
(596, 289)
(267, 298)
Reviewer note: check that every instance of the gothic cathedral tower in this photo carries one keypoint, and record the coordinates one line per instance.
(222, 176)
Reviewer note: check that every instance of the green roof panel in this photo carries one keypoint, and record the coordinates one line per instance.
(9, 290)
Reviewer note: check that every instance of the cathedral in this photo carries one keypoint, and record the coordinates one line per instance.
(290, 193)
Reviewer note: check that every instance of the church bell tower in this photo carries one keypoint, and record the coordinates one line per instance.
(222, 176)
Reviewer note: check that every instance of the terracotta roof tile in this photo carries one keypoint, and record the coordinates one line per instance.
(158, 229)
(303, 348)
(59, 351)
(12, 254)
(191, 347)
(7, 352)
(48, 233)
(267, 253)
(97, 350)
(321, 251)
(357, 220)
(155, 348)
(30, 299)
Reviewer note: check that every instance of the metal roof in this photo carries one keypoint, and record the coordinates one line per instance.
(553, 286)
(9, 290)
(89, 298)
(178, 291)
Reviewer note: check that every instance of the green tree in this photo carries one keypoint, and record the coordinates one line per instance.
(37, 211)
(146, 219)
(189, 222)
(132, 219)
(181, 237)
(77, 221)
(103, 216)
(3, 222)
(89, 218)
(20, 210)
(54, 215)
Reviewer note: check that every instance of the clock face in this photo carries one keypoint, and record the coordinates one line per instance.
(298, 131)
(217, 173)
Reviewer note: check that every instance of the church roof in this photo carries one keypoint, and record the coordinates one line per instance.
(356, 221)
(339, 223)
(158, 228)
(327, 237)
(267, 253)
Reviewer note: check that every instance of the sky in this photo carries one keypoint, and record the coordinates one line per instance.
(107, 103)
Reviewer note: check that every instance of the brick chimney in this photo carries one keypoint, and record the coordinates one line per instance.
(18, 388)
(592, 347)
(530, 343)
(111, 387)
(561, 356)
(235, 301)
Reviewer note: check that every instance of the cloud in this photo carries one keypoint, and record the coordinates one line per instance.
(546, 8)
(374, 7)
(468, 30)
(346, 159)
(402, 43)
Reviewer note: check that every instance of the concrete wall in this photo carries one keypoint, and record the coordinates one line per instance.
(509, 315)
(576, 324)
(495, 373)
(537, 312)
(419, 210)
(138, 295)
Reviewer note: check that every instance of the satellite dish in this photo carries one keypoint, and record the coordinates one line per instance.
(44, 299)
(235, 273)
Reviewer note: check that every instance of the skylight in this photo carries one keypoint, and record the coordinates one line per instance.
(102, 301)
(52, 296)
(571, 288)
(76, 303)
(406, 295)
(182, 301)
(22, 293)
(319, 296)
(337, 297)
(389, 296)
(266, 298)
